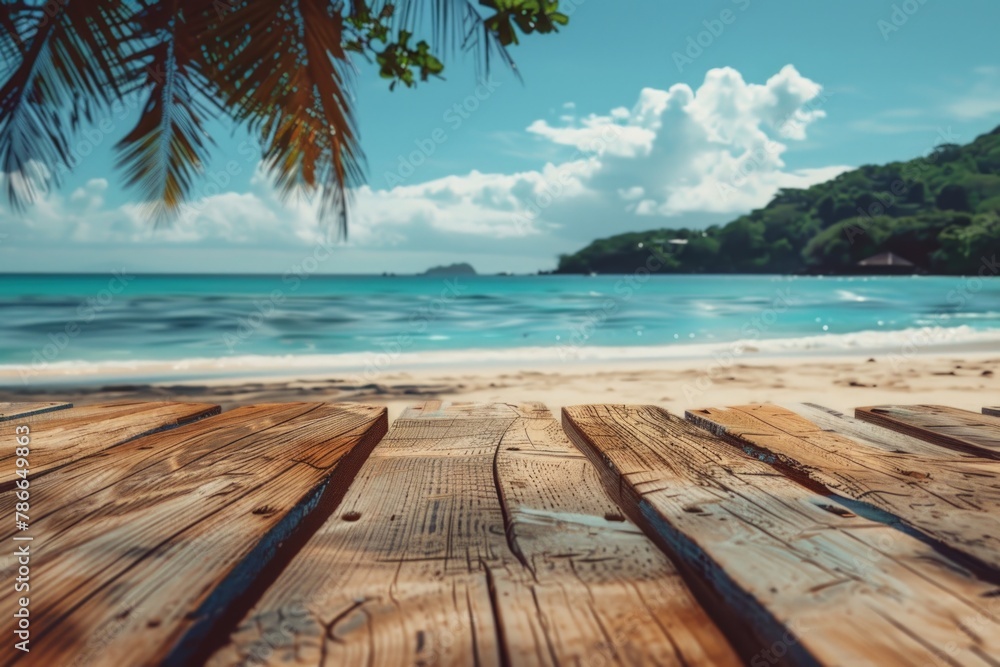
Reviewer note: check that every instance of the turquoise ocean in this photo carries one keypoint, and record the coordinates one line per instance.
(65, 328)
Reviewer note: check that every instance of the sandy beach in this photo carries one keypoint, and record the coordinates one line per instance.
(969, 380)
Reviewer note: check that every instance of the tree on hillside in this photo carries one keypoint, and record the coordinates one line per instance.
(282, 69)
(953, 198)
(945, 153)
(940, 212)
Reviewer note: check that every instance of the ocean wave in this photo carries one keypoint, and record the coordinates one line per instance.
(905, 342)
(847, 295)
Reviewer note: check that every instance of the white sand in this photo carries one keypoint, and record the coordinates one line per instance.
(968, 380)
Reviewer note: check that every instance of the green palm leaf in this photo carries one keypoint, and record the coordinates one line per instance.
(455, 24)
(67, 64)
(166, 150)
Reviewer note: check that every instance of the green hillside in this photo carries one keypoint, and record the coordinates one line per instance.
(941, 212)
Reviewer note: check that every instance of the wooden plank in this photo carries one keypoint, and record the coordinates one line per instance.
(477, 535)
(949, 427)
(143, 570)
(955, 505)
(993, 412)
(816, 582)
(10, 411)
(65, 436)
(876, 436)
(148, 455)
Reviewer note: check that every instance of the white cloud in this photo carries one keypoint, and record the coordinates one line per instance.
(983, 100)
(717, 149)
(492, 205)
(679, 153)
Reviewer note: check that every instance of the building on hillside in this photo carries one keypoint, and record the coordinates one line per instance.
(887, 263)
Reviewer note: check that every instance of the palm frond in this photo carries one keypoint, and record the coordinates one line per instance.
(290, 85)
(167, 148)
(277, 67)
(12, 46)
(67, 64)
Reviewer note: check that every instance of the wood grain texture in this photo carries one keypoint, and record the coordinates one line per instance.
(949, 427)
(164, 454)
(953, 503)
(59, 438)
(477, 535)
(877, 436)
(10, 411)
(993, 412)
(816, 582)
(147, 563)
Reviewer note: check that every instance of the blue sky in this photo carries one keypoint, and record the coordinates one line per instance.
(620, 125)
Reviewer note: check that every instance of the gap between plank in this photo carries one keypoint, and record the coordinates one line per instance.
(236, 595)
(744, 634)
(980, 569)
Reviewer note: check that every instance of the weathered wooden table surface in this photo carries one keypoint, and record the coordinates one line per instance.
(315, 534)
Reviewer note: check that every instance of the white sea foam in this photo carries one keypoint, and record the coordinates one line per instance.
(847, 295)
(370, 365)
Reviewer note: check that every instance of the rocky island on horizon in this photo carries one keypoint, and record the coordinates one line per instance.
(457, 269)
